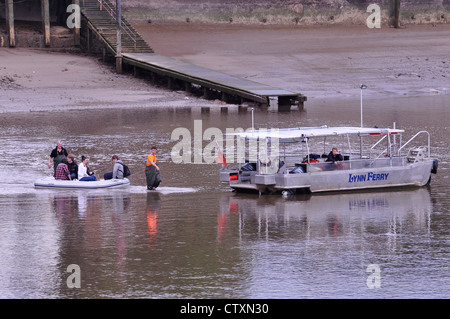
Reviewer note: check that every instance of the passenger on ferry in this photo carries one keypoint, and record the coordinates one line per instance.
(334, 156)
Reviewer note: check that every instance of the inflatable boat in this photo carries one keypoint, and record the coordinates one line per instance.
(50, 182)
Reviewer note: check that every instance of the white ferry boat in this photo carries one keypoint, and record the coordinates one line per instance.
(51, 182)
(305, 169)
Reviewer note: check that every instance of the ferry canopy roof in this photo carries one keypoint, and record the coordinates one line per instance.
(299, 133)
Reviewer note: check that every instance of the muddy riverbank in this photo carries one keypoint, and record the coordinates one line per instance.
(322, 63)
(35, 80)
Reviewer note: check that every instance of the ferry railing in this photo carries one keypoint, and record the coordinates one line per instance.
(375, 145)
(290, 162)
(355, 164)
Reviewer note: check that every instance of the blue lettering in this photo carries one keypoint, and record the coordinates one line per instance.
(369, 177)
(356, 178)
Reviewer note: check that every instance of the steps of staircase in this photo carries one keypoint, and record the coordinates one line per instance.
(106, 26)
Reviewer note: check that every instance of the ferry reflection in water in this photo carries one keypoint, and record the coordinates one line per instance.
(139, 244)
(381, 211)
(322, 244)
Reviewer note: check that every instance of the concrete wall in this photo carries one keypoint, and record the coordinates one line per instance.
(283, 3)
(307, 12)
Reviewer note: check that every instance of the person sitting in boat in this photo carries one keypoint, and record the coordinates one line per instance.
(117, 169)
(84, 174)
(73, 166)
(334, 157)
(62, 171)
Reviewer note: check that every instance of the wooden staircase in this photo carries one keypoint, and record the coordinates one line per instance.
(101, 16)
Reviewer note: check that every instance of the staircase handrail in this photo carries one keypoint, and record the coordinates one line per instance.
(113, 13)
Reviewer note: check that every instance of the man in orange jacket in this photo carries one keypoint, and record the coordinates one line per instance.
(152, 171)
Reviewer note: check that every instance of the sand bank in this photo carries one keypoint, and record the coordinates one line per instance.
(35, 80)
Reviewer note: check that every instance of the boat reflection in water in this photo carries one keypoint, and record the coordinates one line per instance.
(301, 246)
(322, 245)
(92, 224)
(383, 212)
(82, 204)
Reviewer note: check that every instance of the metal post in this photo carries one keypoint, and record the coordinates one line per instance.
(360, 146)
(361, 111)
(119, 37)
(9, 15)
(45, 9)
(362, 87)
(253, 119)
(76, 31)
(394, 126)
(397, 14)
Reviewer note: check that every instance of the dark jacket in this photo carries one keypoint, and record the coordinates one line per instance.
(336, 158)
(73, 168)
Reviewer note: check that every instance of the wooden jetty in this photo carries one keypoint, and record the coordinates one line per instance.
(132, 50)
(210, 81)
(100, 19)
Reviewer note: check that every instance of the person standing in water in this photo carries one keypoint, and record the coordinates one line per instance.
(152, 170)
(57, 155)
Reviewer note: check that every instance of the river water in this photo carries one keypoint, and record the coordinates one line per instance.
(196, 239)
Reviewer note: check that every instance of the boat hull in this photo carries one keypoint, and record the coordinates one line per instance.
(416, 174)
(50, 182)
